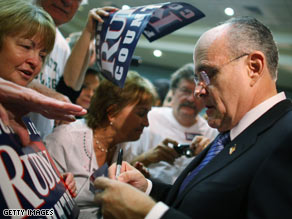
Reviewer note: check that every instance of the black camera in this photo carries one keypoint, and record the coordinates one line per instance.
(184, 149)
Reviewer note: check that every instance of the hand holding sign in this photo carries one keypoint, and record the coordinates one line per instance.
(117, 37)
(97, 14)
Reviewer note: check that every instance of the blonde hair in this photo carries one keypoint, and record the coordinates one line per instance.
(136, 89)
(19, 17)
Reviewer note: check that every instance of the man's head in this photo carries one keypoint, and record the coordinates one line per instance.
(62, 11)
(185, 105)
(236, 68)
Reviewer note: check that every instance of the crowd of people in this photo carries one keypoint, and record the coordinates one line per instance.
(241, 157)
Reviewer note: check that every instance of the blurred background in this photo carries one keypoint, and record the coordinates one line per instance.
(163, 56)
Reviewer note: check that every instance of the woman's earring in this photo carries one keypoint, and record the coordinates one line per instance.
(111, 123)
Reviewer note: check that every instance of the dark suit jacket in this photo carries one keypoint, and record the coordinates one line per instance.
(255, 181)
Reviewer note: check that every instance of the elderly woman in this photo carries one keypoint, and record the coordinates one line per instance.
(115, 115)
(27, 35)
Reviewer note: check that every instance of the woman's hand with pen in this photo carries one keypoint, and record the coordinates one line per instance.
(130, 175)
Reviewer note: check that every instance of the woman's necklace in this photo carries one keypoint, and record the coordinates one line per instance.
(99, 147)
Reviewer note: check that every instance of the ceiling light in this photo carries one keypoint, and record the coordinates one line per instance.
(125, 7)
(229, 11)
(157, 53)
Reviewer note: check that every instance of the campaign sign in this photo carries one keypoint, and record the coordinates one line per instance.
(30, 184)
(117, 37)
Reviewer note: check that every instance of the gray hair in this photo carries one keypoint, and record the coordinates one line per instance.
(248, 34)
(185, 72)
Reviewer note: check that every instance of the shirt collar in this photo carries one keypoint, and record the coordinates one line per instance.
(255, 113)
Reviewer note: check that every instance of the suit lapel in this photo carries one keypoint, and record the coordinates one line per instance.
(232, 151)
(195, 162)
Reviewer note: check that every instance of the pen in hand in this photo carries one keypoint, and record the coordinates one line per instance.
(119, 162)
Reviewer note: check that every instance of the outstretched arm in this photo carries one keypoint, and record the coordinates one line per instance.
(16, 101)
(77, 62)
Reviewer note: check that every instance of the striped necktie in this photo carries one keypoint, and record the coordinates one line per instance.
(217, 146)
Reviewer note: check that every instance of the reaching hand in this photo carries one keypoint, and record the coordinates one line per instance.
(97, 14)
(20, 100)
(61, 97)
(16, 101)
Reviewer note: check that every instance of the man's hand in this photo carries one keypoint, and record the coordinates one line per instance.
(63, 98)
(199, 143)
(120, 200)
(161, 152)
(130, 175)
(31, 101)
(16, 101)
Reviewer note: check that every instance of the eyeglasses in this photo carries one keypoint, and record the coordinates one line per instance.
(185, 91)
(202, 79)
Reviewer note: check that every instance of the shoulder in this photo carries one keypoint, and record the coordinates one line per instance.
(70, 129)
(67, 136)
(60, 37)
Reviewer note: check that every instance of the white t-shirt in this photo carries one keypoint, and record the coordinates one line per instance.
(50, 75)
(162, 124)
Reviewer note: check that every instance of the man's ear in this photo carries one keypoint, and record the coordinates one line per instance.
(256, 63)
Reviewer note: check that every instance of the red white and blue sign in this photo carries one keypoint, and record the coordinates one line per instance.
(30, 184)
(117, 37)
